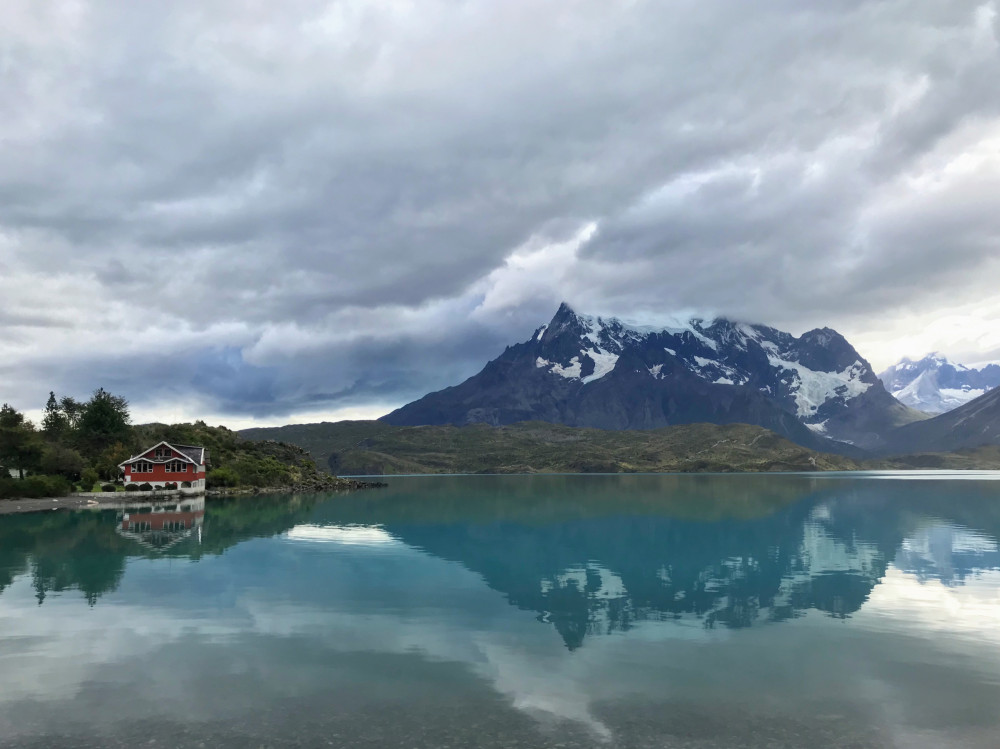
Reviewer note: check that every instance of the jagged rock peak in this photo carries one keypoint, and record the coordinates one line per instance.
(605, 372)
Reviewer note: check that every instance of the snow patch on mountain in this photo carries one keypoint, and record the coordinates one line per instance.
(816, 388)
(604, 362)
(697, 334)
(960, 397)
(570, 371)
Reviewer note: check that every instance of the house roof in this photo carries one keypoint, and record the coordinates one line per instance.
(189, 453)
(197, 454)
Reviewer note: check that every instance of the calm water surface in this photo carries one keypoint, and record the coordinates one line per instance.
(562, 611)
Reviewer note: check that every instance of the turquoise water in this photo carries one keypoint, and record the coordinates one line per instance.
(560, 611)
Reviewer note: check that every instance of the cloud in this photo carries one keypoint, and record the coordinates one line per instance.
(334, 205)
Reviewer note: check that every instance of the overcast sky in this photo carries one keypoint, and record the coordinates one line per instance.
(259, 212)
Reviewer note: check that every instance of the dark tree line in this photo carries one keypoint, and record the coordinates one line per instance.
(81, 441)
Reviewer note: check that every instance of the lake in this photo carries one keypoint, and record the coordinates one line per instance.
(546, 611)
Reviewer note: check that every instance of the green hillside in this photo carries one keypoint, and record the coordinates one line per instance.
(985, 458)
(238, 462)
(370, 447)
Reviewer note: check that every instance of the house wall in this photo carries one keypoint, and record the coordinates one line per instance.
(160, 473)
(160, 476)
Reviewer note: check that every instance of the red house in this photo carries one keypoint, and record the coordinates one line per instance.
(164, 463)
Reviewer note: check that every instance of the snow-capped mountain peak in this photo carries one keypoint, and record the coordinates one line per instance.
(936, 385)
(609, 373)
(805, 374)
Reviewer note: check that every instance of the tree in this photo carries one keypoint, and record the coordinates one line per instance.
(20, 447)
(72, 409)
(103, 422)
(59, 460)
(55, 424)
(108, 461)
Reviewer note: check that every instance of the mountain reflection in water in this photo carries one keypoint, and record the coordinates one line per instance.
(492, 572)
(590, 558)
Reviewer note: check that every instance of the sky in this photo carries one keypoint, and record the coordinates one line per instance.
(259, 213)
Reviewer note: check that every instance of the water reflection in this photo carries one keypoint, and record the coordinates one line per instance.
(588, 557)
(161, 525)
(736, 601)
(715, 551)
(88, 550)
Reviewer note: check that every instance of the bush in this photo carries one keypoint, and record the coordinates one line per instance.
(131, 487)
(108, 487)
(259, 471)
(222, 477)
(88, 478)
(147, 487)
(62, 461)
(34, 487)
(170, 485)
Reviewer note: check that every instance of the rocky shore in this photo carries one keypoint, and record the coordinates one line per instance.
(315, 485)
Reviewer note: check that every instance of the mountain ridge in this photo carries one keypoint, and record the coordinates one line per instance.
(587, 371)
(936, 385)
(975, 424)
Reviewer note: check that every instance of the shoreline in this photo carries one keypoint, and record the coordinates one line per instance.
(312, 488)
(17, 506)
(90, 501)
(84, 502)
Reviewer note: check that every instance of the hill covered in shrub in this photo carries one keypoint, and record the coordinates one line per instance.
(80, 444)
(376, 448)
(234, 461)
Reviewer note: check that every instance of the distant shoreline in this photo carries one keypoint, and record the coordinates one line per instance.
(76, 502)
(82, 502)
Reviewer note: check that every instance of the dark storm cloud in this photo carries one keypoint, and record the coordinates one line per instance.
(340, 203)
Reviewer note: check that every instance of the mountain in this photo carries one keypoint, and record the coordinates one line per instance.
(935, 385)
(579, 370)
(975, 424)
